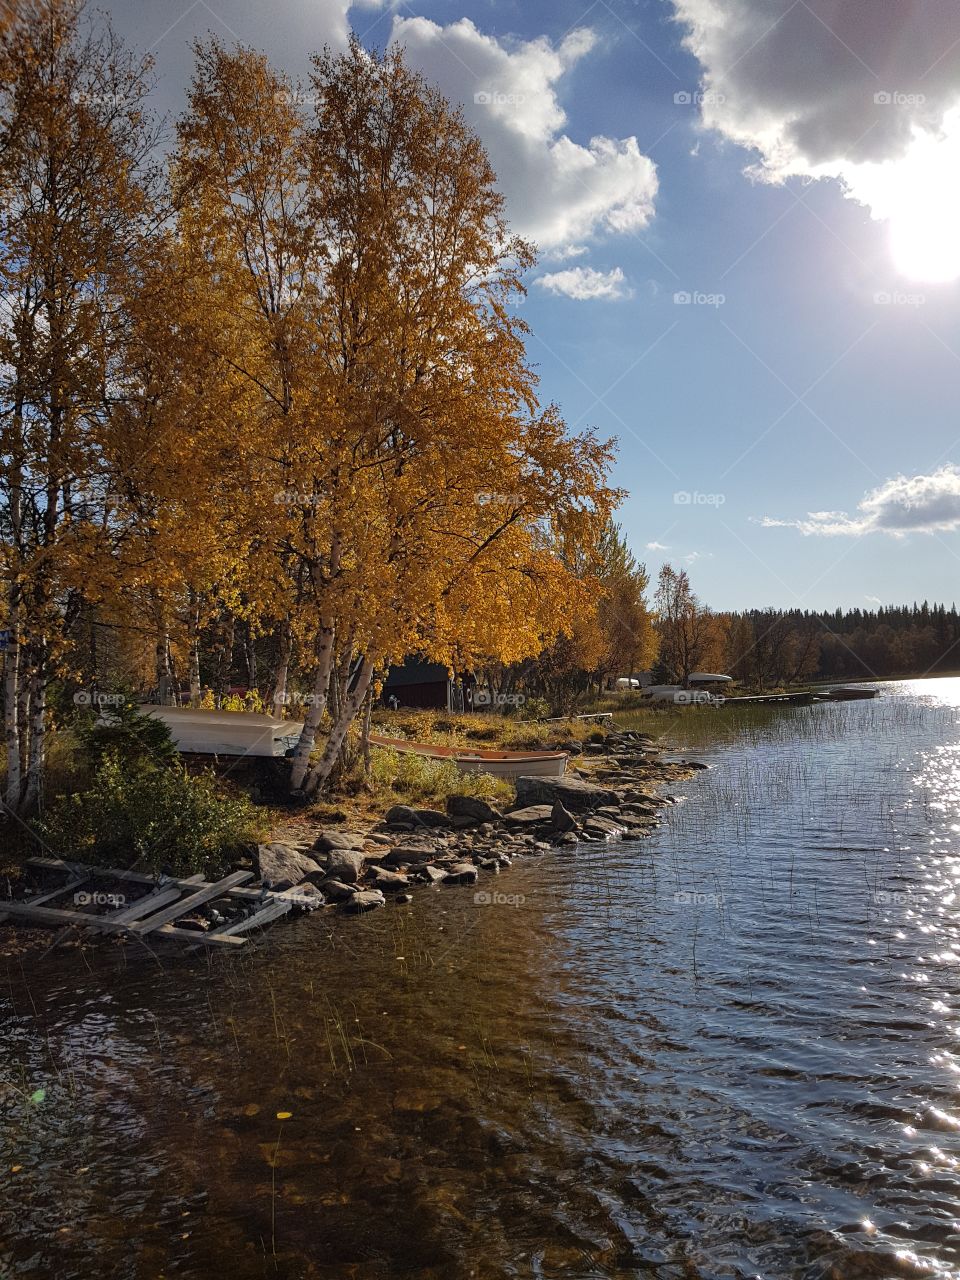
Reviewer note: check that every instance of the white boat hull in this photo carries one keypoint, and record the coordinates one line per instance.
(226, 733)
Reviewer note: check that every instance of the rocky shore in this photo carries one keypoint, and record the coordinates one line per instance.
(613, 792)
(612, 795)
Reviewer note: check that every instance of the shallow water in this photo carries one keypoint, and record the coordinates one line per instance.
(730, 1050)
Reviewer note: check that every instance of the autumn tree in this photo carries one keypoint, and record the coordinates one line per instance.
(74, 204)
(689, 637)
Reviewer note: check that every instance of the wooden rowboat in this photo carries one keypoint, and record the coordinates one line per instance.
(502, 764)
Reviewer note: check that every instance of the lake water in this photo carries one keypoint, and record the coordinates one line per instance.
(730, 1050)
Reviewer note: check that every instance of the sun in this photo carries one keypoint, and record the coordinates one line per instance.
(923, 205)
(925, 241)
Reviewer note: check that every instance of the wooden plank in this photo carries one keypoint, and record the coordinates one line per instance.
(140, 877)
(56, 915)
(180, 908)
(75, 883)
(146, 904)
(272, 911)
(210, 939)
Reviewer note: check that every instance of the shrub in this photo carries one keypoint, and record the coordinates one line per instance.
(135, 740)
(158, 819)
(422, 779)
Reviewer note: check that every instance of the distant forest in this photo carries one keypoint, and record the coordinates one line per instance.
(773, 646)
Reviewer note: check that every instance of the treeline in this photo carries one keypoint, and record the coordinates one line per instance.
(269, 394)
(766, 648)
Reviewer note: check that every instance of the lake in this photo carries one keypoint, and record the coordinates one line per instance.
(729, 1050)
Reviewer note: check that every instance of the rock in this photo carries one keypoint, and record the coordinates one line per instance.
(345, 865)
(569, 837)
(337, 891)
(605, 827)
(280, 867)
(531, 815)
(400, 814)
(459, 807)
(461, 873)
(432, 873)
(561, 819)
(331, 840)
(391, 880)
(404, 897)
(379, 838)
(308, 896)
(409, 852)
(575, 795)
(365, 900)
(432, 818)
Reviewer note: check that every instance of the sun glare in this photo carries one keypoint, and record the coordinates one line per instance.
(923, 201)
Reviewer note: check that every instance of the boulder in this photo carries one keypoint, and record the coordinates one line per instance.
(561, 819)
(410, 851)
(432, 873)
(280, 867)
(460, 807)
(574, 794)
(400, 815)
(337, 891)
(345, 865)
(308, 896)
(391, 880)
(432, 818)
(607, 828)
(461, 873)
(331, 840)
(365, 900)
(530, 816)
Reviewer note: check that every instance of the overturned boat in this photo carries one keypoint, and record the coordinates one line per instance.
(197, 731)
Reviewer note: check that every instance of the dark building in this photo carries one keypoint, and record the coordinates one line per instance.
(426, 685)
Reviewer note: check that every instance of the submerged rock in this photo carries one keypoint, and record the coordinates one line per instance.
(365, 900)
(461, 873)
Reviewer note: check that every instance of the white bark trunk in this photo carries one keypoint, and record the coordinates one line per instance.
(321, 771)
(318, 703)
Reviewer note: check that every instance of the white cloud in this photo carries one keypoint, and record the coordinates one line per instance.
(657, 546)
(558, 191)
(873, 600)
(864, 93)
(583, 283)
(903, 505)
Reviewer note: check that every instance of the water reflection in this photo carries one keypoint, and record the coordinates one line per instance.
(728, 1051)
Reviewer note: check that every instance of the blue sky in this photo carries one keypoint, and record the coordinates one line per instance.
(792, 169)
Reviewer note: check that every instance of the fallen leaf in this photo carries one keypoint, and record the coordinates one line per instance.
(284, 1115)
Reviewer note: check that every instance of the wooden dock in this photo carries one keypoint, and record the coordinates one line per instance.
(156, 913)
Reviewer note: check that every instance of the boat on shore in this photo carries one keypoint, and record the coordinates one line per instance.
(502, 764)
(197, 731)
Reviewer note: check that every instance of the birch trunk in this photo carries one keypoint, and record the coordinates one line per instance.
(321, 771)
(318, 704)
(278, 696)
(38, 729)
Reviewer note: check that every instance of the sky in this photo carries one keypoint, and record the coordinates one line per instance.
(748, 222)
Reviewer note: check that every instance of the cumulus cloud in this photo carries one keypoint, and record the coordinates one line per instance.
(558, 191)
(657, 546)
(583, 283)
(903, 505)
(864, 93)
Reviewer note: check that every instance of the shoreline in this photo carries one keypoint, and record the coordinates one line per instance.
(613, 792)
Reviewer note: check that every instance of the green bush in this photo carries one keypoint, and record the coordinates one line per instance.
(155, 819)
(422, 779)
(136, 740)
